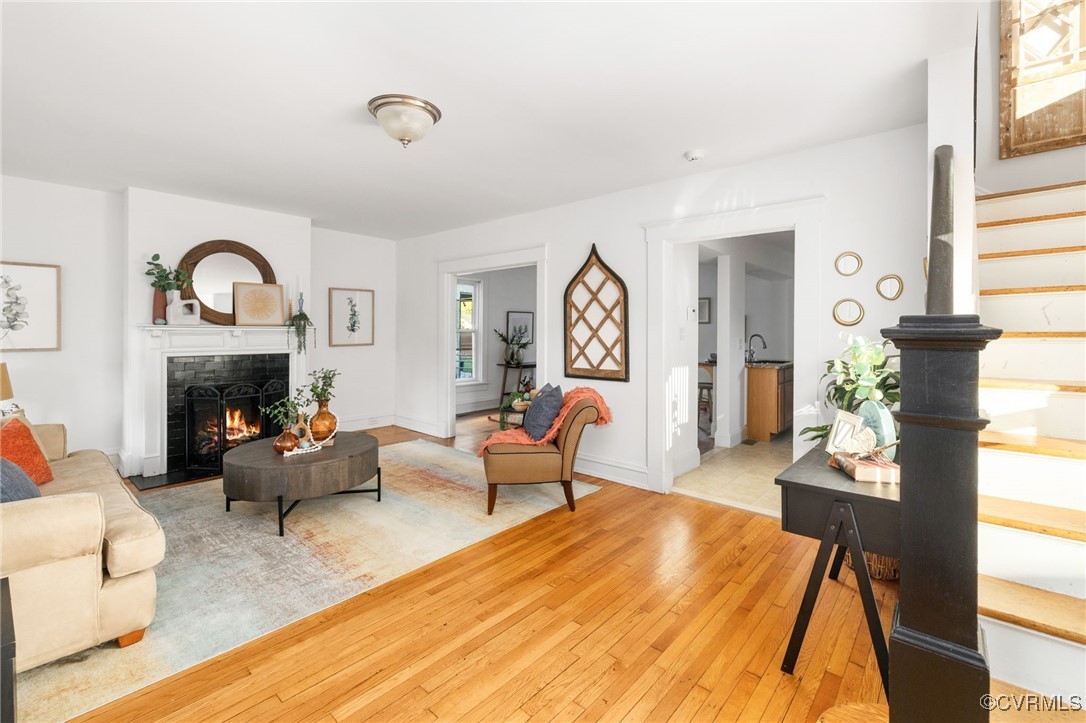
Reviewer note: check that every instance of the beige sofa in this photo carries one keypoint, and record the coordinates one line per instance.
(80, 558)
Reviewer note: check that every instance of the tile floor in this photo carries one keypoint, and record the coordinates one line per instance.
(741, 476)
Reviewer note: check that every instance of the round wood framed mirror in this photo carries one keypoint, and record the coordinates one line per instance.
(214, 266)
(848, 264)
(890, 287)
(848, 312)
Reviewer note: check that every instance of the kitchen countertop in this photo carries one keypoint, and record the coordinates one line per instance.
(769, 364)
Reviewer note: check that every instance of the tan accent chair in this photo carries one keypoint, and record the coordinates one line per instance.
(526, 464)
(80, 559)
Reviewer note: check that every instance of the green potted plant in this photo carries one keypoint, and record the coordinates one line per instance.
(286, 413)
(514, 344)
(862, 382)
(166, 282)
(323, 424)
(299, 324)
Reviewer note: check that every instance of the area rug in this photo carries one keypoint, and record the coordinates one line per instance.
(228, 577)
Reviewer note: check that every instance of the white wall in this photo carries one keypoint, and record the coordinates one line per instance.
(502, 291)
(170, 225)
(874, 204)
(81, 230)
(365, 390)
(707, 287)
(769, 313)
(1037, 169)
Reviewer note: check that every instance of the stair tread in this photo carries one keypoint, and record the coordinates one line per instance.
(1033, 444)
(1043, 519)
(1002, 687)
(1041, 385)
(1044, 335)
(1031, 252)
(1025, 191)
(1046, 612)
(1032, 219)
(1062, 288)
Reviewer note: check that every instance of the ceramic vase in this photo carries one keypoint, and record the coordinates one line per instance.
(513, 355)
(287, 441)
(878, 418)
(323, 424)
(158, 307)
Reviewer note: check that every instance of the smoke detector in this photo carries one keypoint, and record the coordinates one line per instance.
(693, 155)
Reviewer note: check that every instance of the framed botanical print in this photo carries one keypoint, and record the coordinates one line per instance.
(521, 322)
(350, 317)
(705, 310)
(29, 307)
(258, 304)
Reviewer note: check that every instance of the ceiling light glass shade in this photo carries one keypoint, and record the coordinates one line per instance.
(404, 117)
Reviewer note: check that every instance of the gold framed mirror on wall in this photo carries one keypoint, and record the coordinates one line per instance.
(848, 312)
(890, 287)
(848, 263)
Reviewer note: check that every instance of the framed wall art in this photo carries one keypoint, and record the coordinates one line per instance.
(705, 310)
(597, 320)
(522, 322)
(350, 317)
(258, 304)
(30, 305)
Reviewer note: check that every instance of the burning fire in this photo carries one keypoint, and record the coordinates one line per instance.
(238, 431)
(237, 427)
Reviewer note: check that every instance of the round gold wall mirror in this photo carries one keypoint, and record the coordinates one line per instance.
(848, 263)
(214, 266)
(848, 312)
(890, 287)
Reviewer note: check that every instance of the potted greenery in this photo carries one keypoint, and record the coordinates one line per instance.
(286, 413)
(323, 424)
(166, 282)
(861, 382)
(514, 344)
(300, 324)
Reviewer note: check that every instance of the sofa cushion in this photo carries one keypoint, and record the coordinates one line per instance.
(18, 445)
(510, 464)
(544, 410)
(133, 539)
(15, 484)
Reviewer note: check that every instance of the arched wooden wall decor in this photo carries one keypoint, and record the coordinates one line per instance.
(597, 323)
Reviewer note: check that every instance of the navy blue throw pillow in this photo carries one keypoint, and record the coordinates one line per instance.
(15, 484)
(541, 415)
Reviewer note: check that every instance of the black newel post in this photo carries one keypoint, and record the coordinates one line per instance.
(938, 659)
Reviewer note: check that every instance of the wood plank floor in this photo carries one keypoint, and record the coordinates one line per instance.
(637, 606)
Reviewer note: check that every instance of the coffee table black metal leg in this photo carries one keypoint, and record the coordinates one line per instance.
(279, 501)
(228, 504)
(838, 558)
(378, 484)
(376, 489)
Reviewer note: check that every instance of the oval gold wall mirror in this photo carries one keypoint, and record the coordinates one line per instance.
(890, 287)
(848, 263)
(848, 312)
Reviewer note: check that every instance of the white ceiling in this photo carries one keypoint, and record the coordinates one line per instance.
(264, 104)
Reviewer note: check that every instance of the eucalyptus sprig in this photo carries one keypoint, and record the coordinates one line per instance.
(284, 412)
(515, 338)
(165, 278)
(321, 386)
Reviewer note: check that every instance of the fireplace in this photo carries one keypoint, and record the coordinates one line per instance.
(219, 418)
(213, 405)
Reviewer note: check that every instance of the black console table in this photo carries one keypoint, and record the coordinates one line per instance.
(826, 504)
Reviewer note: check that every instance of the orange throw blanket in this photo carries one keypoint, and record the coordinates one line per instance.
(519, 436)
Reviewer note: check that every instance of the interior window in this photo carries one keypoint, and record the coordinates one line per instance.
(468, 319)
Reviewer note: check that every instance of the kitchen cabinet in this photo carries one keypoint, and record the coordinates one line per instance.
(769, 400)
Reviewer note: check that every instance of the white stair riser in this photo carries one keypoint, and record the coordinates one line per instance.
(1037, 478)
(1058, 359)
(1063, 311)
(1037, 235)
(1035, 661)
(1029, 411)
(1041, 203)
(1044, 270)
(1043, 561)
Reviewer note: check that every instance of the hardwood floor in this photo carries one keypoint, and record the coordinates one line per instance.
(637, 606)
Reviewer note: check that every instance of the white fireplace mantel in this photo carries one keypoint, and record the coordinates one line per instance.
(144, 447)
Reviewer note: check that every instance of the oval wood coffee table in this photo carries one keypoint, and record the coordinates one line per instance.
(254, 472)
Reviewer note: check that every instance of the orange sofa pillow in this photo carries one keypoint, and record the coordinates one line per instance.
(17, 445)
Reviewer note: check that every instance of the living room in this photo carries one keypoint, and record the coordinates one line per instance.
(140, 130)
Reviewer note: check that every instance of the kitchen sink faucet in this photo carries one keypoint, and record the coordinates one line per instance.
(750, 347)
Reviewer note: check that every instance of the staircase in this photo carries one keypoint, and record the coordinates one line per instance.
(1032, 528)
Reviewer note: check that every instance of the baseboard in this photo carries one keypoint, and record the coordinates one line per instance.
(477, 406)
(424, 426)
(114, 458)
(683, 463)
(352, 424)
(614, 471)
(130, 464)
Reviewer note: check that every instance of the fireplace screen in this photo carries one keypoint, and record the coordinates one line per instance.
(219, 418)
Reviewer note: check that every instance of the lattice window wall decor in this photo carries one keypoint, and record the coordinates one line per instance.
(597, 322)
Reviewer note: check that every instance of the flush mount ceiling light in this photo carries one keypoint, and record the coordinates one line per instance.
(404, 117)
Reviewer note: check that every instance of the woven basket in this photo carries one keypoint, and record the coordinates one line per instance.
(879, 567)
